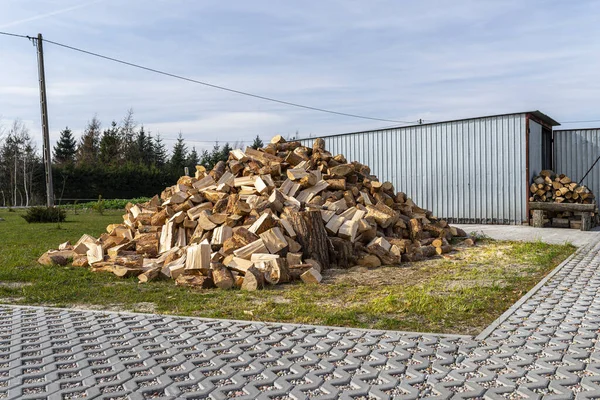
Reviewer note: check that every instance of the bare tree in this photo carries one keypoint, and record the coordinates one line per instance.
(17, 164)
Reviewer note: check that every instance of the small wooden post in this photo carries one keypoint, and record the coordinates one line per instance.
(538, 219)
(586, 221)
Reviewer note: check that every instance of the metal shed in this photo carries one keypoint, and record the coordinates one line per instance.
(474, 170)
(575, 151)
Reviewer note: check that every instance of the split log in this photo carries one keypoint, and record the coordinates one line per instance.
(341, 253)
(195, 281)
(60, 257)
(274, 240)
(382, 214)
(198, 257)
(312, 276)
(262, 224)
(427, 251)
(296, 174)
(239, 265)
(253, 280)
(297, 270)
(222, 277)
(293, 258)
(443, 249)
(336, 183)
(469, 242)
(369, 261)
(149, 275)
(348, 230)
(416, 229)
(167, 237)
(308, 194)
(246, 252)
(277, 272)
(341, 171)
(311, 234)
(333, 226)
(126, 272)
(147, 244)
(241, 237)
(221, 234)
(95, 253)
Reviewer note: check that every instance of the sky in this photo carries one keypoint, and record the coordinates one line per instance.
(396, 60)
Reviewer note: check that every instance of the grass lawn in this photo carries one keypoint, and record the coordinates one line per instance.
(461, 293)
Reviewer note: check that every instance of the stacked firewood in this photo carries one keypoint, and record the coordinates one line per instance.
(268, 216)
(550, 187)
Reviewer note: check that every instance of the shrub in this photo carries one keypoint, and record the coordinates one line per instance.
(114, 204)
(45, 214)
(99, 206)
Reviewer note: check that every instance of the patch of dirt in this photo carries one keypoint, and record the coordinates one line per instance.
(336, 303)
(466, 284)
(382, 276)
(144, 307)
(275, 299)
(11, 300)
(15, 285)
(480, 257)
(407, 274)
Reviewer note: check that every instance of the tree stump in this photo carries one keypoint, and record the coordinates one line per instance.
(312, 235)
(342, 253)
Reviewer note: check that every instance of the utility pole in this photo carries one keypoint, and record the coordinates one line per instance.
(45, 131)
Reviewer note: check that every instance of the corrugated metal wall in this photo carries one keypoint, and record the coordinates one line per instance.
(470, 171)
(574, 153)
(535, 149)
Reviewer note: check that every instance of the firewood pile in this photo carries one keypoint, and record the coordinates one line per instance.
(564, 202)
(268, 216)
(551, 187)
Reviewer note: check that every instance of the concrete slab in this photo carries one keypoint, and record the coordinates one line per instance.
(526, 233)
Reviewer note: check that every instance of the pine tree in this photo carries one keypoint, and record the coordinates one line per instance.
(258, 143)
(225, 152)
(65, 148)
(193, 159)
(88, 148)
(205, 159)
(159, 151)
(127, 133)
(143, 148)
(215, 155)
(179, 156)
(110, 146)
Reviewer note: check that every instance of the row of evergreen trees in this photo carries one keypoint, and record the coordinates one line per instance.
(121, 161)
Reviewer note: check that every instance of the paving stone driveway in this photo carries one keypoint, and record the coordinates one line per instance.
(547, 348)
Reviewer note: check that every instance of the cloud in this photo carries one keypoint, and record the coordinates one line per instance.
(387, 59)
(48, 14)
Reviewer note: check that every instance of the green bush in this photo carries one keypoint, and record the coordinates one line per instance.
(114, 204)
(45, 214)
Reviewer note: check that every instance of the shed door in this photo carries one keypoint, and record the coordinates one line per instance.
(547, 149)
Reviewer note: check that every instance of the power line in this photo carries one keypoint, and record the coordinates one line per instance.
(15, 35)
(210, 84)
(234, 90)
(207, 141)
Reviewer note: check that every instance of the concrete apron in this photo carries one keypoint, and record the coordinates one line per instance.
(526, 233)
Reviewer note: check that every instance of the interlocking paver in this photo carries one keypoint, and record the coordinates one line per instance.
(548, 347)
